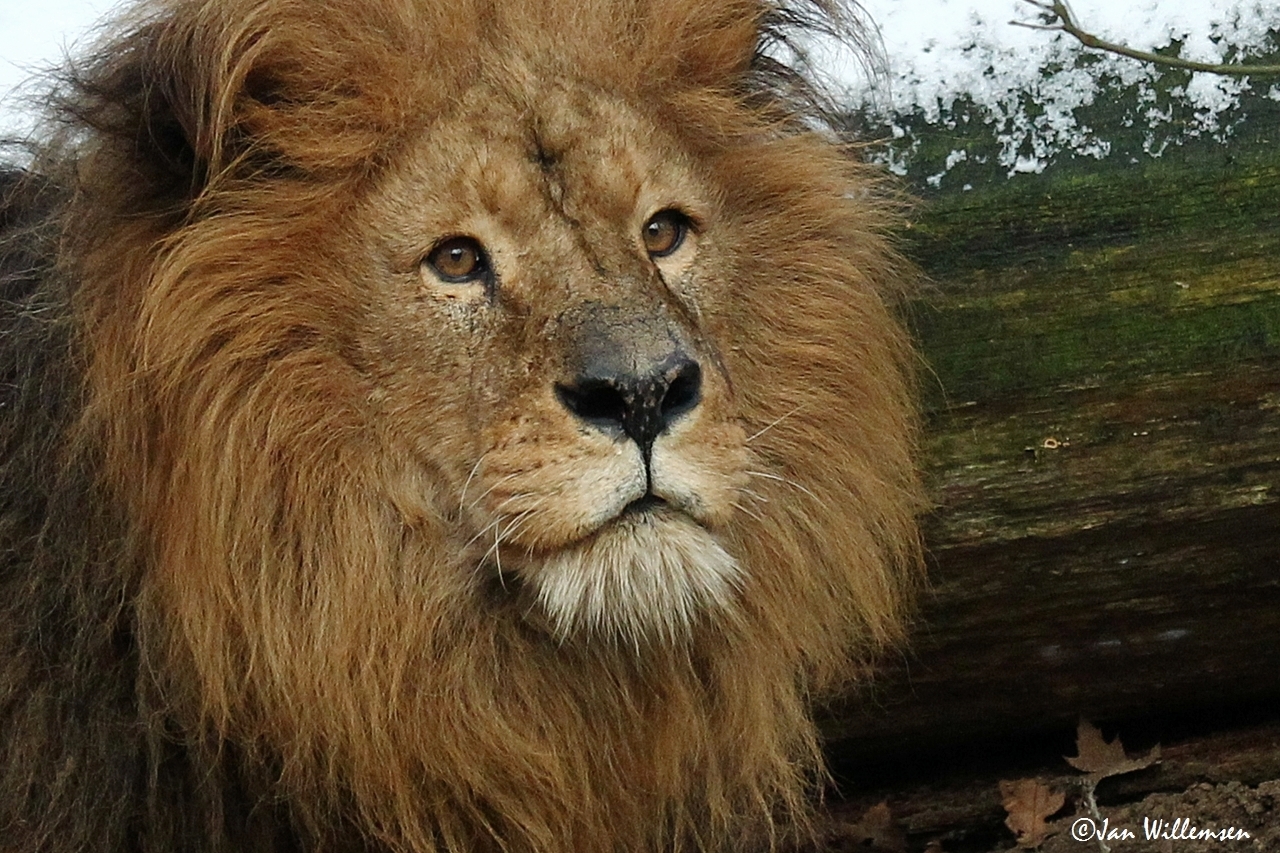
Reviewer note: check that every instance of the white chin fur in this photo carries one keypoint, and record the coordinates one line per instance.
(641, 578)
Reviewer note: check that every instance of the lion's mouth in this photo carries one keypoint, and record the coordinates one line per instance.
(647, 512)
(650, 510)
(647, 569)
(644, 505)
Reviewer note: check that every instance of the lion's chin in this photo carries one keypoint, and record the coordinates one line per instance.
(646, 575)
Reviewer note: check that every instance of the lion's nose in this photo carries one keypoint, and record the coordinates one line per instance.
(643, 403)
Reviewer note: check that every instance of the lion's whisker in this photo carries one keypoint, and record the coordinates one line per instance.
(782, 479)
(481, 532)
(462, 498)
(518, 523)
(497, 557)
(509, 499)
(499, 518)
(765, 429)
(489, 490)
(513, 524)
(495, 549)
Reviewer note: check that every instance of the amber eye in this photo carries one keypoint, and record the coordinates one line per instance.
(458, 259)
(665, 232)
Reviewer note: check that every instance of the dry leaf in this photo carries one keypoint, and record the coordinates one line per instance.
(1029, 803)
(1100, 758)
(875, 831)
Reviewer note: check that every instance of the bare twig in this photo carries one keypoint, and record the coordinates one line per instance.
(1057, 17)
(1088, 786)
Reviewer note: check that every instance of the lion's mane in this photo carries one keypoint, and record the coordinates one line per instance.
(236, 614)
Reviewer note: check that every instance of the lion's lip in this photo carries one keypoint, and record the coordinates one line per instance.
(638, 509)
(647, 510)
(644, 505)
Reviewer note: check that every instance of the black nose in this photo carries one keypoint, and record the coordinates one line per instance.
(643, 402)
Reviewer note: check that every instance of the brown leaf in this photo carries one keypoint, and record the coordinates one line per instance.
(1100, 758)
(876, 831)
(1028, 803)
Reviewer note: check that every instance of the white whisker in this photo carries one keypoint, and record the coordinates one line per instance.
(489, 490)
(518, 522)
(462, 498)
(497, 556)
(781, 479)
(774, 424)
(482, 531)
(498, 519)
(500, 534)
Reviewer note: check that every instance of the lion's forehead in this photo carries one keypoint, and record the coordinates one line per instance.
(546, 165)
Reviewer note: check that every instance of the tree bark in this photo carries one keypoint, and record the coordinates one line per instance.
(1103, 447)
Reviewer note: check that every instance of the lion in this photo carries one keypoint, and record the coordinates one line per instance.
(443, 425)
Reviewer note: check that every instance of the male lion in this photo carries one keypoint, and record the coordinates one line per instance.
(440, 425)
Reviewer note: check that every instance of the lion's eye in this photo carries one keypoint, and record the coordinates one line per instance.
(458, 259)
(665, 232)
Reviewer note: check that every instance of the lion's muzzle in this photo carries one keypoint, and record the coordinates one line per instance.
(633, 374)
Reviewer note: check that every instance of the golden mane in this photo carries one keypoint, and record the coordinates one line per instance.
(241, 605)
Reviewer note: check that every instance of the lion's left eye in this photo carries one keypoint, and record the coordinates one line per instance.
(458, 260)
(665, 232)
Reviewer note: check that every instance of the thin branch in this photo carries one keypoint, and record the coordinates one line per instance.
(1089, 786)
(1058, 17)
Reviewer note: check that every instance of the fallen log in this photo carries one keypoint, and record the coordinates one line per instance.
(1103, 448)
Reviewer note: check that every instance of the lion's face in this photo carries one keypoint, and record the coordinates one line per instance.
(506, 413)
(543, 321)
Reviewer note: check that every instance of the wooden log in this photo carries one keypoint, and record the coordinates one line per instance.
(1103, 446)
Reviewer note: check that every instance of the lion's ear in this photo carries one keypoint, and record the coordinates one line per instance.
(715, 41)
(310, 88)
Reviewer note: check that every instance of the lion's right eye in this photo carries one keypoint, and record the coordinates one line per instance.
(664, 233)
(458, 260)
